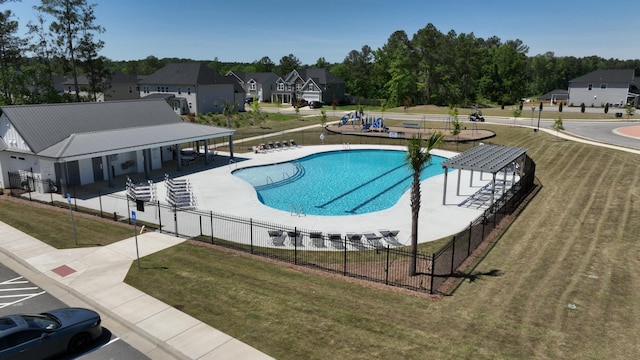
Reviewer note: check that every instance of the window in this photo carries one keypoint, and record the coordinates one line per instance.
(310, 87)
(130, 89)
(145, 89)
(189, 92)
(603, 86)
(280, 86)
(298, 87)
(590, 87)
(252, 85)
(179, 91)
(158, 89)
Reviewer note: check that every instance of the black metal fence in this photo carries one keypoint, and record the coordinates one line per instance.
(446, 260)
(336, 253)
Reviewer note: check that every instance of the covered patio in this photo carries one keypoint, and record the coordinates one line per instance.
(492, 159)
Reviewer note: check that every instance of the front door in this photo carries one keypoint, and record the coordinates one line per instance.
(98, 173)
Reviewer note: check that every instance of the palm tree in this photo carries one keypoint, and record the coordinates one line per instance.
(418, 158)
(228, 109)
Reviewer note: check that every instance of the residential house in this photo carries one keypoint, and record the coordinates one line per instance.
(83, 86)
(258, 85)
(614, 87)
(81, 143)
(121, 86)
(195, 88)
(310, 85)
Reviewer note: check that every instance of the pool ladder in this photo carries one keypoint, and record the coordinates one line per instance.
(346, 146)
(297, 211)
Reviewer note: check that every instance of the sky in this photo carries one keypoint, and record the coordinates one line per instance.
(246, 31)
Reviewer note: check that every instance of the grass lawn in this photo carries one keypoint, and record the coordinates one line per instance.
(574, 244)
(53, 225)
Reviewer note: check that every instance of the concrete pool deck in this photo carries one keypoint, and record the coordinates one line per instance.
(218, 190)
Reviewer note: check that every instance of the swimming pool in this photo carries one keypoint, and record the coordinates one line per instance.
(334, 183)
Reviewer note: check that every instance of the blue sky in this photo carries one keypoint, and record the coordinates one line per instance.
(245, 31)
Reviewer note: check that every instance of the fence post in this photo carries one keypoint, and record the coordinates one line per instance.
(433, 264)
(386, 269)
(211, 221)
(251, 234)
(200, 219)
(75, 199)
(295, 245)
(484, 222)
(51, 195)
(453, 253)
(159, 217)
(470, 231)
(344, 265)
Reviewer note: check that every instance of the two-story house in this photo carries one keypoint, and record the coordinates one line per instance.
(615, 87)
(258, 85)
(310, 85)
(193, 88)
(117, 86)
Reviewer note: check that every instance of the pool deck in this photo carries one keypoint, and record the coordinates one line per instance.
(219, 191)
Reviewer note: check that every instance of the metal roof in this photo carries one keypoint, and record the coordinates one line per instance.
(80, 130)
(485, 158)
(42, 126)
(78, 146)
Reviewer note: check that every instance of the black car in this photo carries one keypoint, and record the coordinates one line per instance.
(476, 116)
(40, 336)
(315, 104)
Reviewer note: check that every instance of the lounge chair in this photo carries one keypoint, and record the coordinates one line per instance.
(317, 239)
(293, 143)
(277, 145)
(374, 240)
(391, 237)
(295, 238)
(355, 239)
(271, 147)
(336, 240)
(285, 144)
(277, 237)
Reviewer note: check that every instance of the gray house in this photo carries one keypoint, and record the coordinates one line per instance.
(311, 85)
(195, 87)
(258, 85)
(600, 87)
(82, 143)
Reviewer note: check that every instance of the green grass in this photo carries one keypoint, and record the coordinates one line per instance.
(575, 243)
(54, 225)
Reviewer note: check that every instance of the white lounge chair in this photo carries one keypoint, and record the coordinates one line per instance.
(295, 238)
(317, 239)
(374, 240)
(277, 237)
(336, 240)
(355, 239)
(391, 237)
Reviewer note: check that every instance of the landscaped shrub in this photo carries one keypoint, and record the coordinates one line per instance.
(606, 108)
(559, 107)
(582, 107)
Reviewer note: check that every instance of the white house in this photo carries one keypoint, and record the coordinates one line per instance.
(82, 143)
(194, 88)
(600, 87)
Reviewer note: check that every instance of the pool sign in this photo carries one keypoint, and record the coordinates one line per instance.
(69, 198)
(133, 216)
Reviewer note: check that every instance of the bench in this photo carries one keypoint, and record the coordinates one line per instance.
(410, 125)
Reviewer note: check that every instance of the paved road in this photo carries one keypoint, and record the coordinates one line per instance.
(19, 295)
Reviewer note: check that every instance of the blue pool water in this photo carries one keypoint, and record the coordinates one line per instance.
(337, 182)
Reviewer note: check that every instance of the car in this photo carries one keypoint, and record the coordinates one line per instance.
(476, 116)
(315, 104)
(41, 336)
(248, 100)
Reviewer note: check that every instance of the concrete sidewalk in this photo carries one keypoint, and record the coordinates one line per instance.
(93, 277)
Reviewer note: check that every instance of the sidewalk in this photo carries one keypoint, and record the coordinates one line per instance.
(93, 277)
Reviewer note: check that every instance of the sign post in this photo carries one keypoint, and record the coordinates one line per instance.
(135, 234)
(73, 223)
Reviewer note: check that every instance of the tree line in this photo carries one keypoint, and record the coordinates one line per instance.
(430, 67)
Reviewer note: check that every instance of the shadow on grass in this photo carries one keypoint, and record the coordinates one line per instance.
(477, 275)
